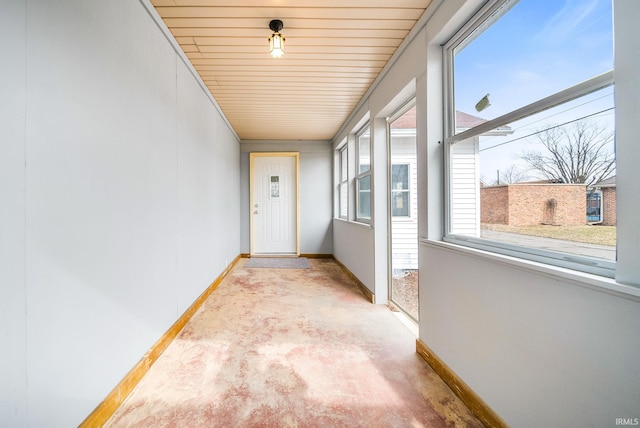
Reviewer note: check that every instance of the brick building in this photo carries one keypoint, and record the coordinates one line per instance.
(524, 204)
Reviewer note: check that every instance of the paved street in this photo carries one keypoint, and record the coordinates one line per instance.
(581, 248)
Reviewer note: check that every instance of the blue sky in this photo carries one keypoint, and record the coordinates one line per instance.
(537, 48)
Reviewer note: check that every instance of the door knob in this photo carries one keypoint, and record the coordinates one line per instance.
(255, 212)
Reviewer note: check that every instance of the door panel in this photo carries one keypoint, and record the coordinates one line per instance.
(403, 212)
(274, 204)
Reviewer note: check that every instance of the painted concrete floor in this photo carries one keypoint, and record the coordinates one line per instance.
(292, 348)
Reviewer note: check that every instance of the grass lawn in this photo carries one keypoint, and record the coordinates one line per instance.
(602, 235)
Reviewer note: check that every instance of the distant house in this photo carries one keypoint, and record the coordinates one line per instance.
(601, 203)
(465, 176)
(404, 194)
(404, 184)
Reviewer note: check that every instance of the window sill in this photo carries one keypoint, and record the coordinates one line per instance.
(366, 222)
(357, 223)
(582, 279)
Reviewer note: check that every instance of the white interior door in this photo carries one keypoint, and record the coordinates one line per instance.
(274, 204)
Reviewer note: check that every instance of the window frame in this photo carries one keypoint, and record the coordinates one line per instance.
(481, 20)
(362, 175)
(343, 171)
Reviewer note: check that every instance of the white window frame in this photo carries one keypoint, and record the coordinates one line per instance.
(343, 171)
(361, 175)
(564, 260)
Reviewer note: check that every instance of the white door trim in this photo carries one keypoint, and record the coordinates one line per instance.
(254, 155)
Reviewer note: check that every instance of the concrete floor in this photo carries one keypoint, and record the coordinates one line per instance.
(289, 348)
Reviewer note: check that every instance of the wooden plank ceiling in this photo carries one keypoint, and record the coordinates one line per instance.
(334, 51)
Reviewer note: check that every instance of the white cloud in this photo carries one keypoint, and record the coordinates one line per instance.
(526, 75)
(563, 25)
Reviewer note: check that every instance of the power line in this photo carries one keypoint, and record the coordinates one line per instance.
(546, 129)
(545, 118)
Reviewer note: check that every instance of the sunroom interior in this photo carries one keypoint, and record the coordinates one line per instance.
(125, 181)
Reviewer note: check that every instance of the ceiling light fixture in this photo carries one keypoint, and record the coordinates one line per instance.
(276, 41)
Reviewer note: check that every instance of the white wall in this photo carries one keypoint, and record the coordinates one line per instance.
(353, 247)
(112, 158)
(390, 92)
(627, 77)
(316, 172)
(540, 350)
(542, 346)
(13, 357)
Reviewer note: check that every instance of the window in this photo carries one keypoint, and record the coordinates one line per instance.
(343, 185)
(400, 190)
(363, 179)
(530, 131)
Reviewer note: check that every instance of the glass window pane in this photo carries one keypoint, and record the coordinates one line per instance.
(343, 165)
(535, 49)
(400, 204)
(400, 177)
(364, 184)
(343, 199)
(364, 152)
(364, 197)
(528, 183)
(404, 225)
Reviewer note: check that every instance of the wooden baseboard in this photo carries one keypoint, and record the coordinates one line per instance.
(479, 408)
(309, 256)
(108, 406)
(363, 288)
(317, 256)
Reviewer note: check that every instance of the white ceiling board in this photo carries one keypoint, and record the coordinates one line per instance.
(334, 51)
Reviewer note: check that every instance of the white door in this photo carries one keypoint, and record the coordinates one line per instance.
(274, 204)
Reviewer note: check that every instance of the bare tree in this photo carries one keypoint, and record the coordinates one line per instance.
(511, 175)
(580, 152)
